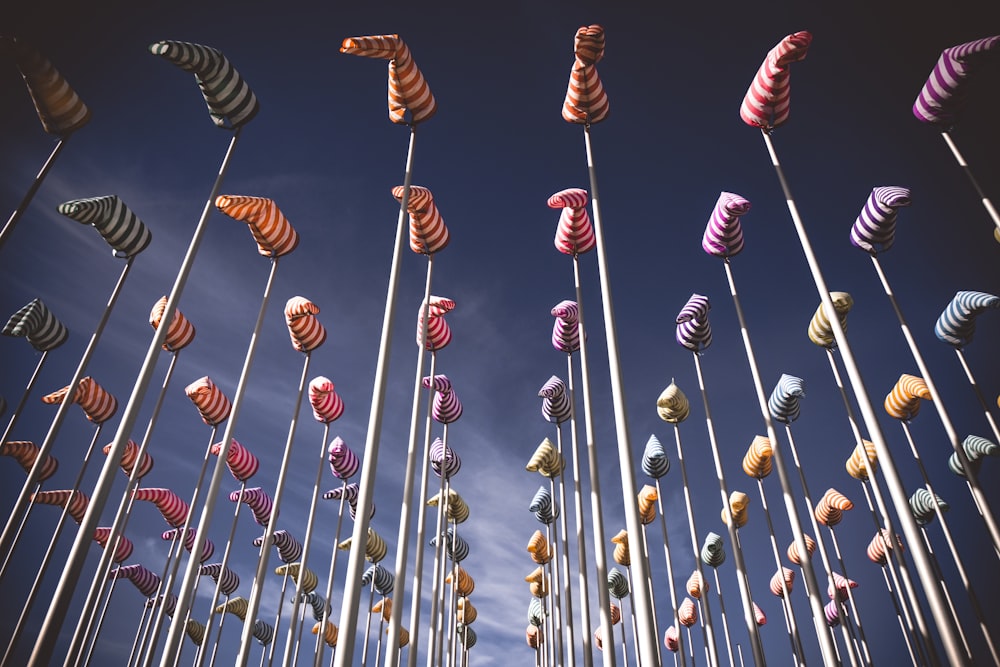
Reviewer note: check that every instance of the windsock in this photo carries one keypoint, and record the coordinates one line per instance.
(713, 553)
(696, 585)
(465, 584)
(857, 464)
(36, 324)
(145, 581)
(304, 328)
(129, 459)
(566, 328)
(274, 235)
(943, 96)
(97, 403)
(329, 634)
(766, 103)
(428, 233)
(180, 331)
(575, 233)
(654, 459)
(687, 613)
(621, 552)
(693, 329)
(309, 580)
(789, 576)
(257, 500)
(875, 229)
(586, 101)
(830, 508)
(647, 498)
(445, 461)
(438, 331)
(976, 448)
(173, 509)
(115, 222)
(25, 453)
(207, 548)
(382, 579)
(545, 508)
(408, 90)
(881, 545)
(618, 584)
(229, 579)
(546, 460)
(758, 461)
(122, 551)
(326, 403)
(672, 405)
(446, 407)
(793, 550)
(820, 330)
(375, 549)
(922, 503)
(241, 462)
(344, 463)
(784, 401)
(903, 402)
(210, 401)
(60, 109)
(556, 406)
(289, 549)
(957, 323)
(724, 235)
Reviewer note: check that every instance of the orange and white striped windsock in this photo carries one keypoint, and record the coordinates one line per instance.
(306, 331)
(329, 635)
(180, 333)
(325, 401)
(408, 90)
(60, 109)
(830, 508)
(210, 401)
(97, 403)
(758, 461)
(438, 331)
(793, 550)
(274, 235)
(129, 458)
(864, 454)
(428, 233)
(903, 402)
(586, 102)
(74, 502)
(767, 100)
(25, 453)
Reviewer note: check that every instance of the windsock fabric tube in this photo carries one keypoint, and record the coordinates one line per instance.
(976, 447)
(784, 401)
(289, 548)
(36, 324)
(180, 332)
(759, 459)
(438, 331)
(957, 324)
(586, 101)
(121, 228)
(173, 509)
(274, 235)
(693, 329)
(566, 328)
(124, 548)
(942, 97)
(344, 463)
(304, 328)
(25, 453)
(408, 90)
(97, 404)
(241, 461)
(546, 460)
(228, 580)
(129, 458)
(766, 103)
(145, 581)
(428, 233)
(258, 501)
(654, 458)
(556, 407)
(213, 405)
(207, 549)
(326, 404)
(574, 233)
(874, 231)
(672, 405)
(59, 108)
(903, 402)
(74, 502)
(820, 331)
(724, 235)
(446, 408)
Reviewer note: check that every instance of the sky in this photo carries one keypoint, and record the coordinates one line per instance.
(324, 150)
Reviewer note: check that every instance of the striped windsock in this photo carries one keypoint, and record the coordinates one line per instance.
(586, 101)
(207, 548)
(456, 510)
(344, 463)
(618, 584)
(213, 405)
(329, 635)
(671, 639)
(466, 613)
(122, 551)
(408, 90)
(842, 584)
(857, 463)
(242, 463)
(566, 328)
(25, 453)
(375, 549)
(121, 228)
(759, 617)
(36, 323)
(672, 405)
(874, 231)
(758, 461)
(180, 333)
(466, 635)
(739, 503)
(903, 402)
(445, 461)
(766, 103)
(289, 549)
(237, 606)
(227, 95)
(326, 404)
(263, 632)
(446, 408)
(693, 328)
(230, 581)
(687, 613)
(556, 407)
(306, 331)
(654, 458)
(724, 235)
(647, 498)
(348, 492)
(621, 552)
(318, 603)
(788, 575)
(196, 631)
(881, 545)
(428, 233)
(169, 602)
(793, 550)
(258, 501)
(575, 233)
(309, 579)
(129, 458)
(145, 581)
(713, 552)
(274, 235)
(173, 509)
(830, 509)
(465, 584)
(383, 580)
(536, 612)
(546, 460)
(538, 548)
(922, 504)
(941, 99)
(97, 403)
(784, 401)
(59, 108)
(957, 323)
(696, 586)
(976, 447)
(544, 506)
(438, 332)
(820, 330)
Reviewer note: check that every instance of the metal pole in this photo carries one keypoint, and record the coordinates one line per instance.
(8, 228)
(987, 204)
(670, 574)
(567, 623)
(978, 392)
(24, 397)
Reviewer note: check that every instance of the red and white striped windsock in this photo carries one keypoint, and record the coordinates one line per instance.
(326, 403)
(147, 582)
(74, 502)
(575, 234)
(25, 453)
(767, 100)
(207, 547)
(129, 458)
(241, 462)
(408, 91)
(306, 331)
(173, 509)
(59, 108)
(438, 331)
(428, 233)
(97, 403)
(586, 102)
(180, 333)
(210, 401)
(125, 546)
(274, 235)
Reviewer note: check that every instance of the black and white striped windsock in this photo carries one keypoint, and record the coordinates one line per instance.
(120, 227)
(36, 324)
(231, 103)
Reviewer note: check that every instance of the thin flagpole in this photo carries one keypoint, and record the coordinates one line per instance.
(200, 656)
(722, 612)
(567, 622)
(670, 574)
(356, 560)
(976, 389)
(8, 227)
(24, 397)
(155, 615)
(644, 606)
(59, 606)
(987, 204)
(896, 490)
(328, 609)
(850, 597)
(557, 553)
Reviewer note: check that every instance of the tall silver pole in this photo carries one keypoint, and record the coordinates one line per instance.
(987, 204)
(24, 397)
(979, 393)
(8, 227)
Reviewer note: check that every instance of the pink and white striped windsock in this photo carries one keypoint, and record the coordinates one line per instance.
(129, 458)
(147, 582)
(344, 463)
(228, 580)
(173, 509)
(446, 408)
(97, 403)
(25, 453)
(180, 332)
(207, 548)
(766, 102)
(687, 613)
(943, 96)
(566, 329)
(842, 583)
(289, 548)
(586, 101)
(575, 233)
(306, 331)
(444, 460)
(428, 233)
(258, 501)
(274, 235)
(724, 236)
(241, 461)
(759, 617)
(408, 90)
(210, 401)
(326, 403)
(438, 332)
(74, 502)
(125, 546)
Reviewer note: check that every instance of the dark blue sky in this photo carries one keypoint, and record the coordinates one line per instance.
(324, 150)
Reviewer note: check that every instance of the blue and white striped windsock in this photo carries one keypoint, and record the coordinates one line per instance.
(546, 510)
(383, 579)
(957, 323)
(654, 459)
(976, 447)
(784, 401)
(922, 505)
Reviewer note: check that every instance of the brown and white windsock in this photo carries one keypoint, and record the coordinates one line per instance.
(408, 90)
(586, 101)
(210, 401)
(305, 329)
(59, 108)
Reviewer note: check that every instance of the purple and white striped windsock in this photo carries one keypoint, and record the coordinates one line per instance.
(326, 403)
(230, 581)
(941, 99)
(241, 461)
(444, 460)
(693, 329)
(289, 549)
(556, 407)
(957, 323)
(207, 549)
(575, 234)
(566, 329)
(447, 408)
(258, 501)
(344, 463)
(348, 492)
(147, 582)
(169, 603)
(438, 331)
(724, 236)
(874, 230)
(173, 509)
